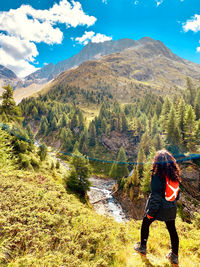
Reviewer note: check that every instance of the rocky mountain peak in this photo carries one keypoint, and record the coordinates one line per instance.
(6, 73)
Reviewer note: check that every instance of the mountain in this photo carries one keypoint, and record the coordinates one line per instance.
(90, 51)
(8, 76)
(146, 65)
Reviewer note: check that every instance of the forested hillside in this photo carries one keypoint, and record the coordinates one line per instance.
(44, 224)
(145, 124)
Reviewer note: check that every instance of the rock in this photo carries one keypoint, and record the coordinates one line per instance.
(190, 175)
(118, 139)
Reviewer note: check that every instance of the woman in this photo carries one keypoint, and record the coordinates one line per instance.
(165, 177)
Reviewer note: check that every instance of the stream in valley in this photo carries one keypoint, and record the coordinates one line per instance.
(100, 189)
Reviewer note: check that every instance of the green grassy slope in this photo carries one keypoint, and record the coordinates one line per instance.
(42, 224)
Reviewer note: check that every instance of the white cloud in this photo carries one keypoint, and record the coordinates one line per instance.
(25, 26)
(159, 2)
(100, 38)
(87, 36)
(105, 1)
(94, 38)
(192, 24)
(136, 2)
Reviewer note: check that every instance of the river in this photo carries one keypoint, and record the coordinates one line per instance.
(100, 189)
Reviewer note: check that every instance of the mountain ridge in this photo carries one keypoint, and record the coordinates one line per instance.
(147, 66)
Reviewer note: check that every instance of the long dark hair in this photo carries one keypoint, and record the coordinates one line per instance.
(164, 164)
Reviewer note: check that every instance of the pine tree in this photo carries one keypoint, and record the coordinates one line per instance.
(83, 141)
(9, 111)
(74, 122)
(57, 164)
(92, 134)
(30, 132)
(189, 128)
(146, 180)
(157, 142)
(145, 142)
(119, 170)
(158, 108)
(124, 122)
(154, 125)
(181, 119)
(54, 124)
(34, 111)
(135, 181)
(197, 105)
(141, 158)
(43, 126)
(78, 180)
(173, 135)
(63, 121)
(191, 92)
(197, 133)
(164, 114)
(76, 146)
(42, 152)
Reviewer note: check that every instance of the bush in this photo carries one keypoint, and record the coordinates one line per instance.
(196, 221)
(35, 163)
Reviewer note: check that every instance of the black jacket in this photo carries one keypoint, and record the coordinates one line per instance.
(157, 207)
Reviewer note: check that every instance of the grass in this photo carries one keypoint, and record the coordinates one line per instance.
(43, 225)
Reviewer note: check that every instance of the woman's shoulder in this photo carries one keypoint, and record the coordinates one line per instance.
(157, 181)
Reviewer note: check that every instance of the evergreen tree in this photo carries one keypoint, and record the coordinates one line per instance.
(63, 135)
(158, 108)
(197, 105)
(124, 122)
(154, 125)
(145, 142)
(76, 146)
(181, 119)
(34, 111)
(191, 92)
(141, 159)
(157, 142)
(189, 128)
(135, 181)
(30, 132)
(164, 114)
(146, 180)
(173, 135)
(9, 111)
(63, 121)
(92, 134)
(197, 133)
(42, 152)
(74, 122)
(119, 170)
(43, 126)
(78, 180)
(54, 124)
(83, 141)
(57, 164)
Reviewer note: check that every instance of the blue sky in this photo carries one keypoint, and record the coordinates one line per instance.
(36, 32)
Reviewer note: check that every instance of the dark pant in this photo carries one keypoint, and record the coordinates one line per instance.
(170, 227)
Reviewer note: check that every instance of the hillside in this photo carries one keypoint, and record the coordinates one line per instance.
(147, 66)
(42, 224)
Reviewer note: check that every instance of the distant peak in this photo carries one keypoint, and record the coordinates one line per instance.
(146, 39)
